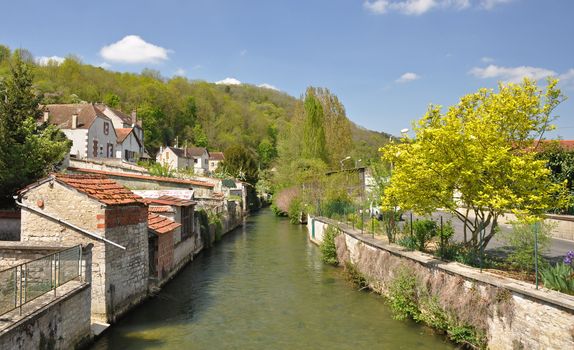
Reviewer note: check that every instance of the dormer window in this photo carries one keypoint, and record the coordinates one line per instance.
(106, 128)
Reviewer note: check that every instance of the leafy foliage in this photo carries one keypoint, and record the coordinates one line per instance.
(328, 247)
(522, 241)
(27, 150)
(559, 277)
(480, 151)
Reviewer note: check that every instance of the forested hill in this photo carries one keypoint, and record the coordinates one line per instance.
(193, 112)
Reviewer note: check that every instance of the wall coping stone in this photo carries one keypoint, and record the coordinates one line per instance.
(561, 300)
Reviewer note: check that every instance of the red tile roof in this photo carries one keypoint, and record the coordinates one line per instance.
(160, 224)
(100, 188)
(61, 114)
(123, 133)
(169, 200)
(143, 177)
(567, 145)
(216, 156)
(162, 209)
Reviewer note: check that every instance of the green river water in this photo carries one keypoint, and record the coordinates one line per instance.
(264, 286)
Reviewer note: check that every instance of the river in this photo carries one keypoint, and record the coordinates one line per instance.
(264, 286)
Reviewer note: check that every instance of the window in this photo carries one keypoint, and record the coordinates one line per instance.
(95, 149)
(195, 160)
(106, 128)
(186, 222)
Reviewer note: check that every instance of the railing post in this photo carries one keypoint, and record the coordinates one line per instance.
(26, 284)
(80, 262)
(53, 261)
(536, 227)
(21, 289)
(15, 287)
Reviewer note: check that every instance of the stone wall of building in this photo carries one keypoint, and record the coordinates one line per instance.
(63, 323)
(16, 254)
(118, 277)
(9, 225)
(513, 314)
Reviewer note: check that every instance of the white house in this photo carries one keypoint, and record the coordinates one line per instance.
(196, 158)
(214, 159)
(122, 120)
(129, 148)
(91, 131)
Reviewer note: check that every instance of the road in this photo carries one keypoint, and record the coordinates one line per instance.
(556, 250)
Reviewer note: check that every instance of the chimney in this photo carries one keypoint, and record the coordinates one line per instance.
(134, 118)
(46, 116)
(74, 121)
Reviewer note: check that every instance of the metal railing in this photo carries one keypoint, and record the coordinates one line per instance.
(23, 283)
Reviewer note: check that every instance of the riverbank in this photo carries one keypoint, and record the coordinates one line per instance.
(481, 309)
(264, 286)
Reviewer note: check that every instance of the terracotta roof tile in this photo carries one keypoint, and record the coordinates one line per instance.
(61, 114)
(123, 133)
(99, 187)
(143, 177)
(216, 156)
(160, 224)
(169, 200)
(158, 209)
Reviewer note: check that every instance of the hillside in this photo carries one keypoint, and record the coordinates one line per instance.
(192, 112)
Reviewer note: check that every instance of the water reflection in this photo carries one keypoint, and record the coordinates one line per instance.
(264, 287)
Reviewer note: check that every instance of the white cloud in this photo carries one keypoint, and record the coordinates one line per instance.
(133, 49)
(377, 6)
(104, 65)
(568, 75)
(486, 59)
(490, 4)
(408, 77)
(268, 86)
(413, 7)
(511, 74)
(44, 60)
(419, 7)
(180, 72)
(228, 81)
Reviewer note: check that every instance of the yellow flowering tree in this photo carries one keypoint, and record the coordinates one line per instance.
(477, 160)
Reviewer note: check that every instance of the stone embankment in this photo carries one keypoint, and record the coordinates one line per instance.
(505, 313)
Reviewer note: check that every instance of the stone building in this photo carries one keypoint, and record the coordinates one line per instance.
(66, 210)
(161, 245)
(214, 159)
(188, 158)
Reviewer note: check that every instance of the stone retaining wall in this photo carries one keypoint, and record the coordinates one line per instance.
(512, 313)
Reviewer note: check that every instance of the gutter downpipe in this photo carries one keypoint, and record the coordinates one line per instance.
(71, 225)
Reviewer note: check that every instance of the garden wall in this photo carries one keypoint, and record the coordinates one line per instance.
(507, 314)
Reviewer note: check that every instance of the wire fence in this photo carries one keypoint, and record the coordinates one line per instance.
(25, 282)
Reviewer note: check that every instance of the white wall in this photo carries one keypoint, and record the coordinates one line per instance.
(130, 144)
(79, 139)
(96, 132)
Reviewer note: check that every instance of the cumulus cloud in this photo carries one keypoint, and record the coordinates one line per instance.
(268, 86)
(511, 74)
(180, 72)
(228, 81)
(419, 7)
(44, 60)
(133, 49)
(408, 77)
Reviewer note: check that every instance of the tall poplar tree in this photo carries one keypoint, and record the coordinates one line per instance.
(314, 144)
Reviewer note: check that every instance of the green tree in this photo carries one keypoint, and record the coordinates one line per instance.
(27, 150)
(476, 159)
(241, 163)
(561, 162)
(4, 53)
(313, 129)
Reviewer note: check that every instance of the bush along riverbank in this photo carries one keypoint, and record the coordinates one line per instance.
(476, 310)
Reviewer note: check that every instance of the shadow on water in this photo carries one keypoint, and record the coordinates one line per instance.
(264, 286)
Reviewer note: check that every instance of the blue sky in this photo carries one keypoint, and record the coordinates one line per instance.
(387, 60)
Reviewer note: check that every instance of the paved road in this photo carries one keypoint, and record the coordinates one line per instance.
(557, 249)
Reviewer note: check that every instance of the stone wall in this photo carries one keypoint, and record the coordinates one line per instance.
(9, 225)
(61, 323)
(118, 277)
(16, 254)
(511, 313)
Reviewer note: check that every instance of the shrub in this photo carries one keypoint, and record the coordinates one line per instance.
(521, 241)
(295, 210)
(424, 231)
(408, 242)
(403, 295)
(328, 247)
(559, 277)
(354, 276)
